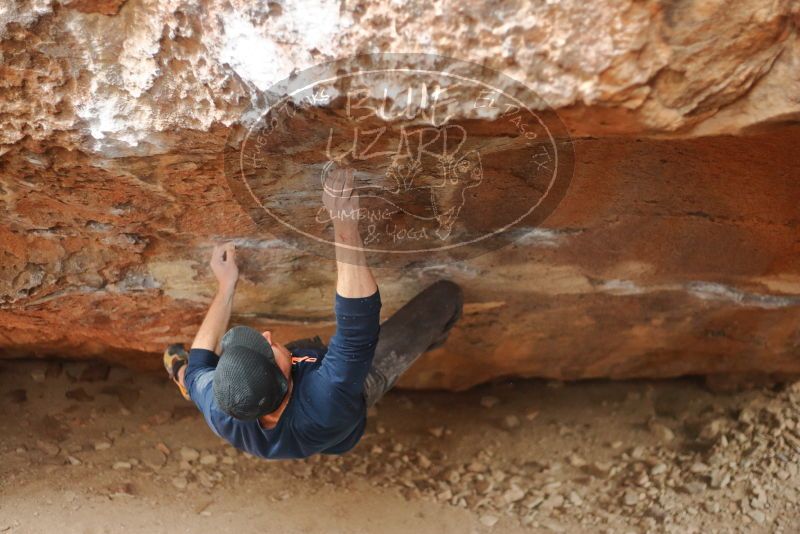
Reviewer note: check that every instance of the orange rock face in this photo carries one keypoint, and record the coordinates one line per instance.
(675, 249)
(664, 258)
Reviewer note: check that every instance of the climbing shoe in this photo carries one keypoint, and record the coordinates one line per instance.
(176, 357)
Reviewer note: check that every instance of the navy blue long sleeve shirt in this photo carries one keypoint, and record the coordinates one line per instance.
(326, 412)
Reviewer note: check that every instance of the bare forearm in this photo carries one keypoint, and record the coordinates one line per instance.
(354, 275)
(216, 320)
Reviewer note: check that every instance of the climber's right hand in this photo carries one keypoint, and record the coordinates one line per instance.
(223, 265)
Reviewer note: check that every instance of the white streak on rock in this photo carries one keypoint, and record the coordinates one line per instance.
(710, 291)
(539, 237)
(258, 244)
(621, 287)
(715, 291)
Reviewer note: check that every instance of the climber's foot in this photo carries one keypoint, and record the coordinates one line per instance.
(175, 357)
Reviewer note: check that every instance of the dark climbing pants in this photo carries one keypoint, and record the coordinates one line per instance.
(419, 326)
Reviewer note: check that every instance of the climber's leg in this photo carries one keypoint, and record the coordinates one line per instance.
(422, 324)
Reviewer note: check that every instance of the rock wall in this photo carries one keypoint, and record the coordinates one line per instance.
(676, 249)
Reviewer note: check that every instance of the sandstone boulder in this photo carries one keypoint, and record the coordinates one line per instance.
(675, 249)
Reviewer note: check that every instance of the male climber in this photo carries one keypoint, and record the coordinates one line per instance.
(295, 400)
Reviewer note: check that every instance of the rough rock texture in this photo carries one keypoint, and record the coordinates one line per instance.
(676, 250)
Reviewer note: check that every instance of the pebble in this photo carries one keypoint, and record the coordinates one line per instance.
(102, 445)
(693, 488)
(746, 415)
(47, 447)
(658, 469)
(554, 527)
(121, 465)
(73, 460)
(712, 429)
(153, 458)
(719, 479)
(551, 486)
(205, 479)
(576, 460)
(514, 494)
(575, 499)
(553, 501)
(180, 482)
(208, 459)
(437, 431)
(189, 454)
(599, 469)
(630, 498)
(637, 453)
(489, 520)
(483, 486)
(477, 467)
(698, 467)
(758, 516)
(662, 432)
(711, 507)
(510, 422)
(643, 480)
(532, 502)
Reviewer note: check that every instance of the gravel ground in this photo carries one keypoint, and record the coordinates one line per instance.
(89, 448)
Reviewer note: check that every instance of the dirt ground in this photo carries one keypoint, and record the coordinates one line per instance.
(89, 449)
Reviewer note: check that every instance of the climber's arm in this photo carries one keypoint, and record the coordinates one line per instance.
(357, 306)
(223, 264)
(358, 302)
(354, 275)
